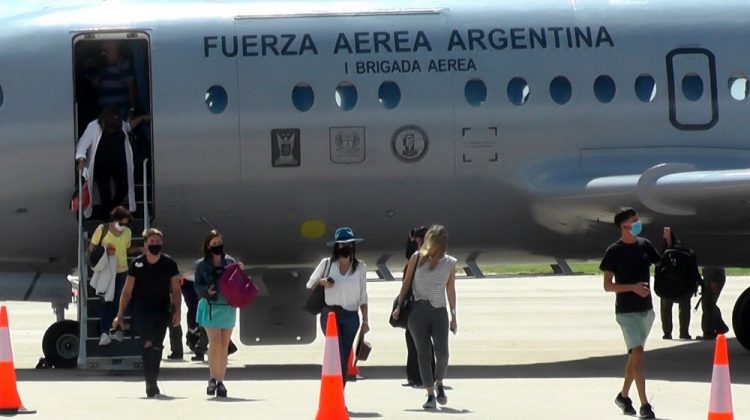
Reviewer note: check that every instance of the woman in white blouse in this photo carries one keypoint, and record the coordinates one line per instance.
(345, 280)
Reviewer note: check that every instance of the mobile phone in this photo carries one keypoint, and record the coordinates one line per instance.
(330, 280)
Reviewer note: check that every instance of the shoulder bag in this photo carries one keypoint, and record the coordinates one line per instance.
(316, 300)
(403, 315)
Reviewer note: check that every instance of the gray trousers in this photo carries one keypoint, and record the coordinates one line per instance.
(429, 328)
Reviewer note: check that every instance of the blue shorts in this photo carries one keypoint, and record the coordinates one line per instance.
(214, 315)
(635, 327)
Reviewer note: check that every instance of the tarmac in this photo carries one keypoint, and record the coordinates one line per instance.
(527, 348)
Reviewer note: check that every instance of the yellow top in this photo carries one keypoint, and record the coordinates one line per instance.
(121, 244)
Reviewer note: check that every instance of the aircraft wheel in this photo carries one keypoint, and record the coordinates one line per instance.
(741, 319)
(60, 344)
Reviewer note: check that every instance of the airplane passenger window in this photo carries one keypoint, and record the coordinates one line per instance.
(303, 97)
(518, 91)
(216, 99)
(475, 92)
(738, 86)
(692, 87)
(346, 96)
(560, 90)
(645, 88)
(604, 89)
(389, 94)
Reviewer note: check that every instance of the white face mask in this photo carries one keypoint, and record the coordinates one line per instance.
(119, 227)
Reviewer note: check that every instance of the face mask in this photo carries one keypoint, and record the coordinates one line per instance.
(636, 228)
(217, 250)
(154, 249)
(345, 252)
(120, 227)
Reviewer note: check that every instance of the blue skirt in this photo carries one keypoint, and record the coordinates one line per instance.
(215, 315)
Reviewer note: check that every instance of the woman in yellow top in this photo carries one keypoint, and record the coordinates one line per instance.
(117, 242)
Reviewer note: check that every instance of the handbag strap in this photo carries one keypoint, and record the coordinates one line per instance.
(105, 231)
(327, 272)
(413, 275)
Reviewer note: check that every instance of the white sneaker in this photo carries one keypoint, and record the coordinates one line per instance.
(118, 335)
(104, 339)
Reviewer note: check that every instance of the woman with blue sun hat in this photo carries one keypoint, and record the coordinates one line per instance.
(344, 278)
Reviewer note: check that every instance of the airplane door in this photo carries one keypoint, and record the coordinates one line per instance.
(691, 74)
(112, 70)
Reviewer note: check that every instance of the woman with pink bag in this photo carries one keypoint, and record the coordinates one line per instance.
(214, 313)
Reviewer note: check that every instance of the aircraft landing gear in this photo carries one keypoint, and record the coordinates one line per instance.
(60, 344)
(741, 319)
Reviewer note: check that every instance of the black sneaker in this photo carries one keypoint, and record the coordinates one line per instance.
(441, 398)
(667, 336)
(152, 390)
(430, 403)
(625, 404)
(685, 337)
(175, 356)
(646, 412)
(197, 358)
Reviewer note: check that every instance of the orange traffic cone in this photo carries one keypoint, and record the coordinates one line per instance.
(352, 372)
(720, 406)
(10, 402)
(332, 406)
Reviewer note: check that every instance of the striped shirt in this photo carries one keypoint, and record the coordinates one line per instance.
(113, 85)
(430, 284)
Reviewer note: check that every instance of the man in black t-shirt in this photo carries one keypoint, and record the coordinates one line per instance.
(627, 262)
(153, 283)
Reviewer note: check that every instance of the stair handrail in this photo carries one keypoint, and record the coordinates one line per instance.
(82, 280)
(146, 216)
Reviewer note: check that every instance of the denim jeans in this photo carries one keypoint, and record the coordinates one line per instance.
(108, 310)
(347, 323)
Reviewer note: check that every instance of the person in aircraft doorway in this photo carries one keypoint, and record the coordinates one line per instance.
(105, 156)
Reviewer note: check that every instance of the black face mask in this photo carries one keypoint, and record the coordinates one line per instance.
(217, 250)
(154, 249)
(345, 252)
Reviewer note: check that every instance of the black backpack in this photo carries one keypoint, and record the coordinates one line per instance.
(677, 276)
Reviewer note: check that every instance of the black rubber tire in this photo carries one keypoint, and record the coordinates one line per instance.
(60, 344)
(741, 319)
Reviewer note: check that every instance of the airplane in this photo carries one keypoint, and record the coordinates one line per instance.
(521, 126)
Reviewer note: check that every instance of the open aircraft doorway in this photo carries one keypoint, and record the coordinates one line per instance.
(112, 71)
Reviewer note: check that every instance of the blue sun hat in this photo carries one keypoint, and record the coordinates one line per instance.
(344, 235)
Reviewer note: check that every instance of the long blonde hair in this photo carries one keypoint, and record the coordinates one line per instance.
(434, 247)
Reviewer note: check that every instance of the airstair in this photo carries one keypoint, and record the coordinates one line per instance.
(118, 355)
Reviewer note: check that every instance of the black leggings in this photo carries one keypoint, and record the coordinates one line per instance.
(117, 172)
